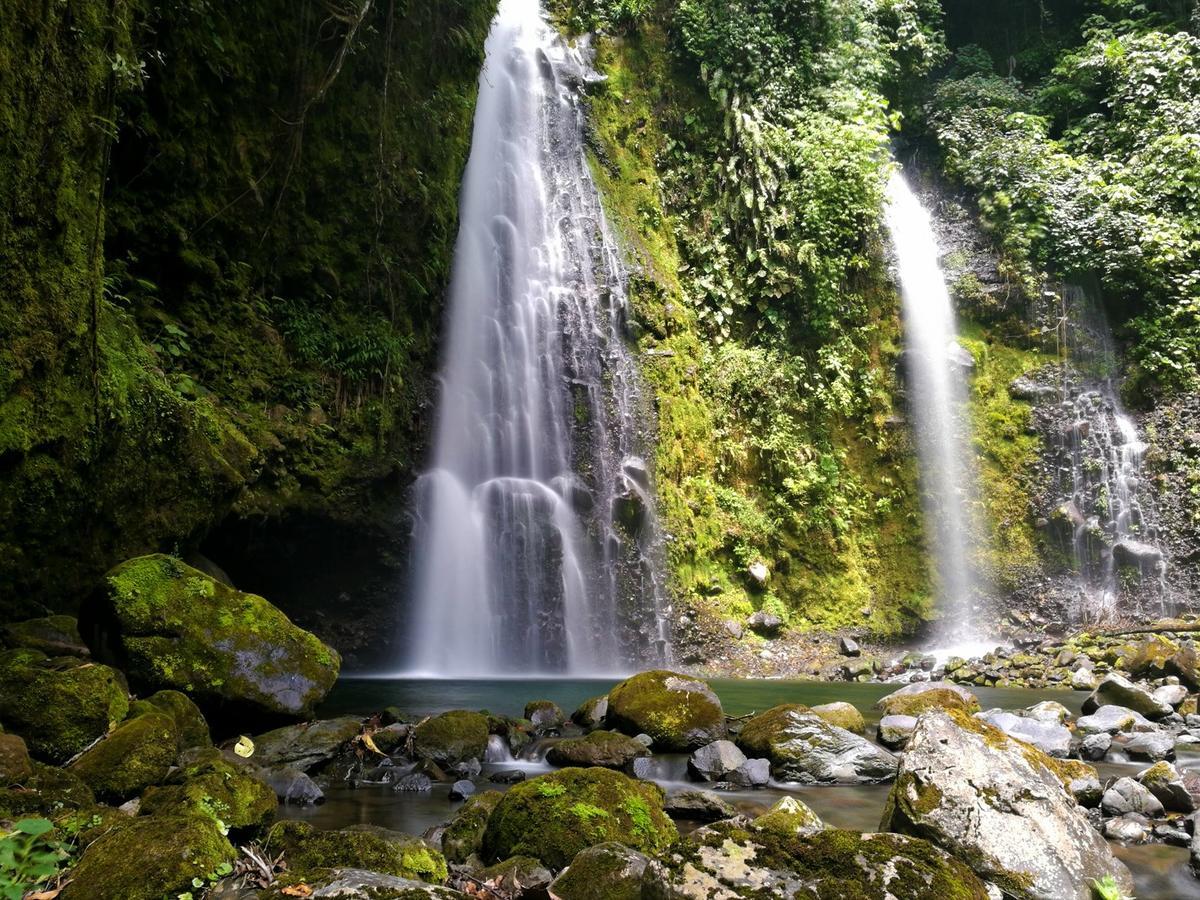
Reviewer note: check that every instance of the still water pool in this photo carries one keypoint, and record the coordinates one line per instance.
(1160, 872)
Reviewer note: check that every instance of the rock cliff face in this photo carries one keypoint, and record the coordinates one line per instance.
(225, 233)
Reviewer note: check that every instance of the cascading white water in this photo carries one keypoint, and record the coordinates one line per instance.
(536, 547)
(936, 371)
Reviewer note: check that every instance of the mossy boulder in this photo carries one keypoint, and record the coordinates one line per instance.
(189, 721)
(544, 715)
(52, 635)
(914, 699)
(358, 847)
(139, 753)
(788, 816)
(1001, 806)
(599, 748)
(215, 788)
(463, 837)
(679, 712)
(591, 712)
(60, 705)
(48, 791)
(608, 871)
(554, 816)
(451, 738)
(803, 747)
(169, 626)
(731, 861)
(150, 858)
(843, 715)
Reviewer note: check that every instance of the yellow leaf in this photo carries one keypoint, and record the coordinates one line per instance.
(245, 748)
(297, 890)
(366, 739)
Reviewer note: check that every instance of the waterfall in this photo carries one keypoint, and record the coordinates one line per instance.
(936, 370)
(1106, 508)
(536, 547)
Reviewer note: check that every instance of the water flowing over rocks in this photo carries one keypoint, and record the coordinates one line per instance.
(999, 805)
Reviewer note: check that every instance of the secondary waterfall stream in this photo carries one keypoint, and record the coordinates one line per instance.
(536, 546)
(936, 367)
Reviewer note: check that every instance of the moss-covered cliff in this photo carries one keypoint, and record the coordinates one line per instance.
(224, 232)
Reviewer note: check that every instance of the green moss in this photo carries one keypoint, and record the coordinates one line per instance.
(137, 754)
(174, 627)
(678, 711)
(463, 837)
(595, 806)
(597, 748)
(216, 789)
(451, 737)
(53, 635)
(915, 704)
(59, 711)
(362, 847)
(189, 721)
(151, 857)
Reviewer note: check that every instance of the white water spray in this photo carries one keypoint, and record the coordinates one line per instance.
(536, 548)
(936, 370)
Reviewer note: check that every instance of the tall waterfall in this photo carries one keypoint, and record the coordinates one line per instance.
(536, 547)
(936, 372)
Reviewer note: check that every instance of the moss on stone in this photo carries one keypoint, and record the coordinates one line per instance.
(152, 857)
(171, 626)
(451, 737)
(915, 704)
(554, 816)
(788, 816)
(598, 748)
(189, 721)
(139, 753)
(463, 837)
(360, 847)
(219, 790)
(59, 707)
(843, 715)
(678, 711)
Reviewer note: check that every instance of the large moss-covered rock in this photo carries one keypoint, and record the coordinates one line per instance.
(358, 847)
(52, 635)
(729, 861)
(916, 698)
(803, 747)
(554, 816)
(451, 737)
(605, 872)
(1001, 806)
(58, 706)
(215, 788)
(463, 837)
(167, 625)
(681, 713)
(137, 754)
(599, 748)
(150, 858)
(842, 714)
(789, 816)
(189, 721)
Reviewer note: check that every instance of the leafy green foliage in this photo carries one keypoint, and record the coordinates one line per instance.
(1096, 171)
(29, 857)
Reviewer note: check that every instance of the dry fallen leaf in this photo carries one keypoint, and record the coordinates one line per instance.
(244, 748)
(44, 895)
(366, 739)
(297, 890)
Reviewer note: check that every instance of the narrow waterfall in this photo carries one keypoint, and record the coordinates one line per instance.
(936, 370)
(1106, 507)
(536, 547)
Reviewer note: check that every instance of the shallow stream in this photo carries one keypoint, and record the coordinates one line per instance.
(1160, 872)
